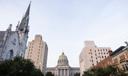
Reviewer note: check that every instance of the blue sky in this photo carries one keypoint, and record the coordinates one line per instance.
(66, 24)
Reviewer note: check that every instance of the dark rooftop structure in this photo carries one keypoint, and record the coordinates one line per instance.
(120, 49)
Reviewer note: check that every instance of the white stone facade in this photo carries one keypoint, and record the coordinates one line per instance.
(63, 68)
(13, 43)
(37, 52)
(91, 55)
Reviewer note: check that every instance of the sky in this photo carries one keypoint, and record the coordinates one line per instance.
(66, 24)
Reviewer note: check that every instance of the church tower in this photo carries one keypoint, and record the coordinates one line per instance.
(13, 43)
(22, 30)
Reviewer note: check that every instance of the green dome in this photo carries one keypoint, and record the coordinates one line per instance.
(63, 61)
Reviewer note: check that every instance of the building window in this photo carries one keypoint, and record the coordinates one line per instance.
(126, 66)
(10, 54)
(90, 52)
(96, 57)
(115, 61)
(122, 58)
(127, 55)
(97, 62)
(91, 56)
(105, 56)
(123, 67)
(102, 57)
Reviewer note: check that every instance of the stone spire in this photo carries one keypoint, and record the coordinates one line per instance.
(28, 10)
(23, 30)
(23, 26)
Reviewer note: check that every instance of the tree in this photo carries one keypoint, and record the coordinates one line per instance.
(18, 67)
(49, 74)
(108, 71)
(77, 74)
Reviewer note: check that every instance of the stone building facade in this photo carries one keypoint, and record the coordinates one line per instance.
(120, 58)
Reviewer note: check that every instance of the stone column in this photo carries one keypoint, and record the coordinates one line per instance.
(67, 72)
(61, 72)
(64, 72)
(58, 72)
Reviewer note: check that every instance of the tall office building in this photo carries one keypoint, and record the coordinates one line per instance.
(91, 55)
(37, 52)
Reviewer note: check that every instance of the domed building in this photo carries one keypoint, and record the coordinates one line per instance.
(63, 61)
(63, 68)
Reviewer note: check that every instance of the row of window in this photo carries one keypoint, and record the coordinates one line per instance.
(94, 61)
(125, 67)
(99, 53)
(31, 47)
(121, 59)
(98, 57)
(100, 50)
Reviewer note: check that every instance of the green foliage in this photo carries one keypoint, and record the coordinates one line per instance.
(108, 71)
(49, 74)
(18, 67)
(77, 74)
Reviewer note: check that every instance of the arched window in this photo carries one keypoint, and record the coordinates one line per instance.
(10, 54)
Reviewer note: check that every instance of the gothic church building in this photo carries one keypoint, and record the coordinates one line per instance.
(13, 43)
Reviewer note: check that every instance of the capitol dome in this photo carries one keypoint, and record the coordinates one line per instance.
(63, 61)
